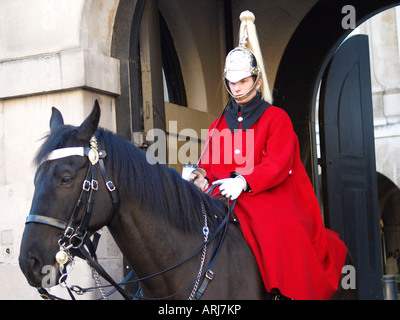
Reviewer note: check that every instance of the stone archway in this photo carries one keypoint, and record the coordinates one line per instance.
(303, 64)
(125, 47)
(304, 61)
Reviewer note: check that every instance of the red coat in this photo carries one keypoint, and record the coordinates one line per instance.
(280, 216)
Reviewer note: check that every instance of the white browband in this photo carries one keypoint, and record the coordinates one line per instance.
(66, 152)
(91, 152)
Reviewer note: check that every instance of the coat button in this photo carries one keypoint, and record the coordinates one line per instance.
(290, 172)
(237, 151)
(240, 119)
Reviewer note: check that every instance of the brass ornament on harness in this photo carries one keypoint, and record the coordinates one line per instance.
(62, 257)
(93, 154)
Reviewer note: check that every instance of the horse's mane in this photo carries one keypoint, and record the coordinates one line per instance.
(154, 187)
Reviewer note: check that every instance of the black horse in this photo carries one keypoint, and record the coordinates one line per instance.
(157, 222)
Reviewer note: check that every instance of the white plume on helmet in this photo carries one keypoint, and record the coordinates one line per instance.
(246, 59)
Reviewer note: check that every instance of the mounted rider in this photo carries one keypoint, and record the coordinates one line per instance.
(276, 205)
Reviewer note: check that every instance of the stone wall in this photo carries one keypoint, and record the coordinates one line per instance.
(53, 53)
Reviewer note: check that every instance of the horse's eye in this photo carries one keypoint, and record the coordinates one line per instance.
(66, 180)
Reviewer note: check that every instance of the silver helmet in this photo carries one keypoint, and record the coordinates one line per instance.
(246, 60)
(241, 63)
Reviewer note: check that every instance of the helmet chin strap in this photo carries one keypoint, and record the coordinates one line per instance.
(245, 95)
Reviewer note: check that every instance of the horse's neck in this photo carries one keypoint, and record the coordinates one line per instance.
(151, 245)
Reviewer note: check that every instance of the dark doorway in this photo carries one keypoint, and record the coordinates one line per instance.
(348, 160)
(302, 66)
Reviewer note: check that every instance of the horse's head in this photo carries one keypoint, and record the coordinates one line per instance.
(63, 184)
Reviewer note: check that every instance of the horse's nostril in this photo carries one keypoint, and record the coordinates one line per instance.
(31, 264)
(34, 264)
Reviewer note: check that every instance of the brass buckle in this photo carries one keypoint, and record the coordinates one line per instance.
(69, 232)
(95, 185)
(209, 274)
(86, 185)
(110, 186)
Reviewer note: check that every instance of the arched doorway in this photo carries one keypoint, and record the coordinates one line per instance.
(168, 74)
(305, 60)
(125, 47)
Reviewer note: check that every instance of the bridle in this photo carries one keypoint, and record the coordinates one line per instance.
(75, 233)
(72, 230)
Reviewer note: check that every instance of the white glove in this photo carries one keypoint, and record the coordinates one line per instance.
(231, 188)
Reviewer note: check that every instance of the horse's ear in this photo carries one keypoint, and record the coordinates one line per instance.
(89, 126)
(56, 118)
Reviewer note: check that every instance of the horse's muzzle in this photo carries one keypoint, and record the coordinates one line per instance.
(32, 268)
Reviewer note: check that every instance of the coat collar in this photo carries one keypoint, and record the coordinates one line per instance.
(249, 112)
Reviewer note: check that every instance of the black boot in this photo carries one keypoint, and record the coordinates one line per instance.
(281, 297)
(278, 296)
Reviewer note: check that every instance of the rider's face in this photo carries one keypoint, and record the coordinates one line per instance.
(242, 87)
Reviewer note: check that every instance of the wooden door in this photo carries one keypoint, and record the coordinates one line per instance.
(348, 160)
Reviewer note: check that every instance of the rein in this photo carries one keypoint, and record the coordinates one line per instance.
(75, 233)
